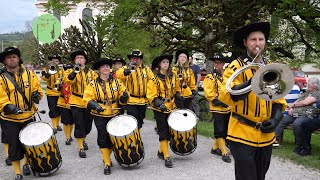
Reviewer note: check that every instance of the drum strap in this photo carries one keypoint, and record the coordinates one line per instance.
(106, 97)
(18, 88)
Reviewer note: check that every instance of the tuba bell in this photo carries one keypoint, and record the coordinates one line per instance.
(52, 68)
(270, 82)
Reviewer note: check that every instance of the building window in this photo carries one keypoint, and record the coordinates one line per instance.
(86, 14)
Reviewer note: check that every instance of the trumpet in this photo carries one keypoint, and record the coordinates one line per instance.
(57, 86)
(52, 68)
(270, 82)
(77, 68)
(133, 66)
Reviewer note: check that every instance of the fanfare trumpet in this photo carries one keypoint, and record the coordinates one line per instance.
(52, 68)
(77, 68)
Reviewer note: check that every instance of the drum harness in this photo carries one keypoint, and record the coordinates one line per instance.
(107, 101)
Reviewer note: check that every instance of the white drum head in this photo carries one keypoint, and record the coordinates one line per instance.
(122, 125)
(182, 120)
(35, 133)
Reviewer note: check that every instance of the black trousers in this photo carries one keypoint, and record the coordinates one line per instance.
(187, 103)
(66, 116)
(82, 121)
(103, 139)
(12, 130)
(251, 163)
(137, 111)
(162, 125)
(52, 104)
(4, 136)
(220, 122)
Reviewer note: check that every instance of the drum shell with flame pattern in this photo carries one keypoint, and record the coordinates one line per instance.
(183, 141)
(128, 149)
(44, 159)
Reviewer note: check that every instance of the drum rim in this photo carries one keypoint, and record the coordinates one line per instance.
(127, 134)
(39, 145)
(197, 119)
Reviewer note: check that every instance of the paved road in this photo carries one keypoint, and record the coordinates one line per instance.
(199, 165)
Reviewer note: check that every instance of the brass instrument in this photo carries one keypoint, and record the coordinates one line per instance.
(270, 82)
(52, 68)
(133, 66)
(77, 68)
(58, 84)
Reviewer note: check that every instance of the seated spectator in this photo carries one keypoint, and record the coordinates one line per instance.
(299, 111)
(308, 126)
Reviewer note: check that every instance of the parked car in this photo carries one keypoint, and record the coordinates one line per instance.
(300, 80)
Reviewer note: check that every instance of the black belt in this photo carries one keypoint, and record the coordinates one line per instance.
(49, 88)
(144, 96)
(62, 96)
(79, 95)
(256, 125)
(98, 101)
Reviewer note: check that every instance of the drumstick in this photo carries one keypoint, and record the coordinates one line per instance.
(42, 111)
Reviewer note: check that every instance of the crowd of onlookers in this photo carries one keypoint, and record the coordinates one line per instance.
(303, 115)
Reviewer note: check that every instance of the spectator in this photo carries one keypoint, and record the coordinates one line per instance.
(197, 76)
(300, 111)
(292, 97)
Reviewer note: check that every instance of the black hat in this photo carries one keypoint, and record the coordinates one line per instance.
(243, 32)
(55, 56)
(222, 57)
(78, 52)
(102, 61)
(8, 51)
(67, 66)
(156, 61)
(135, 53)
(180, 51)
(119, 59)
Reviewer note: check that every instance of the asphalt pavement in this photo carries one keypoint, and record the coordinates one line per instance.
(199, 165)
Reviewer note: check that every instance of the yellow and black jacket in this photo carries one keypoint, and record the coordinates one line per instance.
(187, 78)
(137, 83)
(252, 108)
(53, 80)
(29, 83)
(212, 86)
(78, 85)
(114, 90)
(163, 87)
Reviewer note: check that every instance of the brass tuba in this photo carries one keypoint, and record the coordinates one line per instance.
(270, 82)
(52, 68)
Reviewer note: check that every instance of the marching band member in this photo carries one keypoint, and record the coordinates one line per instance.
(64, 108)
(19, 90)
(220, 111)
(53, 90)
(163, 91)
(253, 120)
(186, 77)
(101, 97)
(4, 141)
(135, 76)
(79, 77)
(118, 63)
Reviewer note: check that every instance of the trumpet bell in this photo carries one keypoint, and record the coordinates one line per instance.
(52, 68)
(273, 81)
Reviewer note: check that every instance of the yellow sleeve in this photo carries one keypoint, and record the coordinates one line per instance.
(122, 89)
(66, 79)
(120, 74)
(150, 73)
(36, 84)
(152, 91)
(4, 100)
(43, 77)
(89, 93)
(177, 81)
(209, 87)
(281, 101)
(192, 84)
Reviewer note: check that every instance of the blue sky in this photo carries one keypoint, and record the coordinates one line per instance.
(15, 13)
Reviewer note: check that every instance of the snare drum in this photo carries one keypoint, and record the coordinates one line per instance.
(42, 150)
(183, 131)
(127, 144)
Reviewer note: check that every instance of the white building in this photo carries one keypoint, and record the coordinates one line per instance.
(77, 11)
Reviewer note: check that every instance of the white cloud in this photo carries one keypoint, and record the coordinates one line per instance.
(15, 13)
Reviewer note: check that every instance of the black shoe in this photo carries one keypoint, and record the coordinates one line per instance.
(226, 158)
(297, 150)
(82, 153)
(68, 141)
(55, 131)
(18, 177)
(26, 170)
(8, 162)
(168, 162)
(216, 151)
(304, 152)
(160, 155)
(107, 170)
(59, 128)
(85, 146)
(71, 139)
